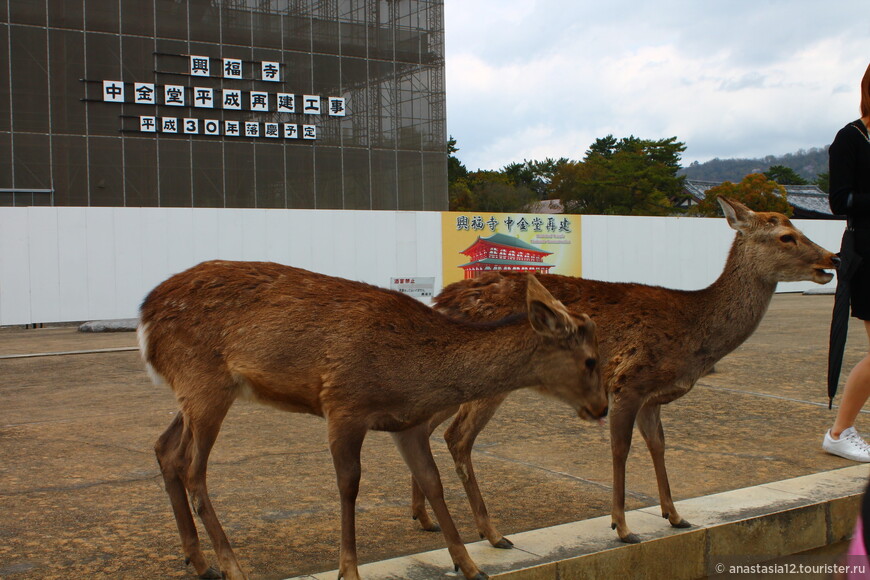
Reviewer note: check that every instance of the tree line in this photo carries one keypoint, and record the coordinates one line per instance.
(807, 163)
(626, 176)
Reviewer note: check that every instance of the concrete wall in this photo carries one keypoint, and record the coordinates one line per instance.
(72, 264)
(683, 253)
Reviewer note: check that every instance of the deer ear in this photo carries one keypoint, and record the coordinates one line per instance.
(548, 316)
(738, 215)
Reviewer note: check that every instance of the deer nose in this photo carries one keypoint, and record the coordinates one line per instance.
(836, 260)
(602, 413)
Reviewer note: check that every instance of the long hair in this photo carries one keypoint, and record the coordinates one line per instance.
(865, 94)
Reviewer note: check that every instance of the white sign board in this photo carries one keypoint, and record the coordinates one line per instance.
(421, 288)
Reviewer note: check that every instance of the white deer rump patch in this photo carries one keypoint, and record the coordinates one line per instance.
(142, 338)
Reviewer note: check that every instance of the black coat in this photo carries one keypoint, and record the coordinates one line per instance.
(849, 166)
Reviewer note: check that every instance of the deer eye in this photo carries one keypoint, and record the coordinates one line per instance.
(591, 363)
(787, 239)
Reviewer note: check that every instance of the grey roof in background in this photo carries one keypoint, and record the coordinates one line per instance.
(805, 199)
(809, 198)
(546, 206)
(698, 189)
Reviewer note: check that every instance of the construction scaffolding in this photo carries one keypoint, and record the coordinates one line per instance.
(398, 97)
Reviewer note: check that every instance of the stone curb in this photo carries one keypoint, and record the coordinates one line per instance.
(754, 524)
(827, 290)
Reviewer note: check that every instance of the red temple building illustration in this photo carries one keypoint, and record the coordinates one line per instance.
(502, 252)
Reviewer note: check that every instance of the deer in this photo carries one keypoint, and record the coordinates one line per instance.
(654, 344)
(362, 357)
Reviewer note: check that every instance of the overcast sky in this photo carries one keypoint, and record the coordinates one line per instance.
(531, 79)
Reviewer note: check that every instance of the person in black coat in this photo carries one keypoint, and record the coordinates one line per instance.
(849, 166)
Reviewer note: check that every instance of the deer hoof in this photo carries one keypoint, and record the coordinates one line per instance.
(631, 539)
(503, 544)
(211, 574)
(478, 576)
(682, 524)
(431, 527)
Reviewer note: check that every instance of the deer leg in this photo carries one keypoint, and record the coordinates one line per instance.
(204, 429)
(345, 444)
(649, 421)
(418, 508)
(413, 445)
(418, 500)
(621, 428)
(460, 436)
(171, 452)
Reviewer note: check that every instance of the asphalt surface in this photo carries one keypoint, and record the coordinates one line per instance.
(81, 496)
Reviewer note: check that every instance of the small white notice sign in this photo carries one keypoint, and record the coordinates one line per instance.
(419, 287)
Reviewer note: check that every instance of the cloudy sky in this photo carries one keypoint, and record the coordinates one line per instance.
(529, 79)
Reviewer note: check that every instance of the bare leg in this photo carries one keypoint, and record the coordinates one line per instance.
(345, 443)
(855, 393)
(460, 436)
(621, 430)
(413, 444)
(171, 450)
(650, 423)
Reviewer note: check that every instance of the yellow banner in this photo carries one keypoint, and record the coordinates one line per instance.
(474, 243)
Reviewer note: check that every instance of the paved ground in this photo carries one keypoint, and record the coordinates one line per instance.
(81, 497)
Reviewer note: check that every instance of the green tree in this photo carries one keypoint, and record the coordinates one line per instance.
(455, 169)
(460, 196)
(784, 175)
(755, 191)
(629, 176)
(490, 191)
(606, 146)
(535, 175)
(582, 188)
(493, 191)
(823, 180)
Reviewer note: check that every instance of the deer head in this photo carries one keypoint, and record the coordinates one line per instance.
(777, 247)
(569, 336)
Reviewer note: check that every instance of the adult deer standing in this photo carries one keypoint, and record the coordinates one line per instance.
(655, 343)
(360, 356)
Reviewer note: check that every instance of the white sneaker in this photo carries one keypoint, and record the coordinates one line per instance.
(849, 445)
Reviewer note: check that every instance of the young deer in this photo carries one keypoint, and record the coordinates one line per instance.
(655, 343)
(359, 356)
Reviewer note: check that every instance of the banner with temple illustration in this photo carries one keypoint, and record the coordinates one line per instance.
(478, 242)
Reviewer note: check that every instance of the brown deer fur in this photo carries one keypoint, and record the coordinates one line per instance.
(655, 343)
(360, 356)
